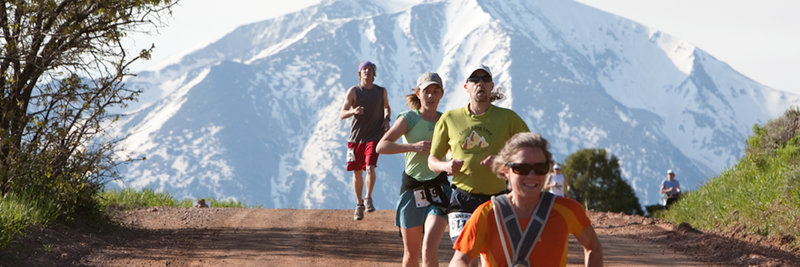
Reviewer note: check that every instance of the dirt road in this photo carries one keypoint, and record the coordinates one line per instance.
(269, 237)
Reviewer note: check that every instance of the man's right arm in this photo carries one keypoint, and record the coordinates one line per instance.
(349, 100)
(439, 147)
(436, 164)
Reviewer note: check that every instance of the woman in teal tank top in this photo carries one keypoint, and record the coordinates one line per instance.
(420, 205)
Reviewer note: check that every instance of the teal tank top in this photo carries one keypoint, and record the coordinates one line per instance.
(418, 129)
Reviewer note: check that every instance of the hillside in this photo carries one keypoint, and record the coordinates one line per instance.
(281, 237)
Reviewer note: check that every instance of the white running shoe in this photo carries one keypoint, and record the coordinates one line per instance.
(370, 207)
(359, 213)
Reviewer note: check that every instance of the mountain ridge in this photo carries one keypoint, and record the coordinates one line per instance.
(581, 77)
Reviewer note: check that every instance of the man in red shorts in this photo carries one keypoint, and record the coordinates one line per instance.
(368, 104)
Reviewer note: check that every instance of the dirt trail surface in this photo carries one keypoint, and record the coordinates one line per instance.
(277, 237)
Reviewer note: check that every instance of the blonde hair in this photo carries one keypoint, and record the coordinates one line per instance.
(412, 100)
(514, 144)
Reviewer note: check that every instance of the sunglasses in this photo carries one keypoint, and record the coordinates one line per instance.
(477, 79)
(540, 168)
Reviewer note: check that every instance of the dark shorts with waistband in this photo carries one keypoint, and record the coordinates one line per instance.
(463, 201)
(462, 204)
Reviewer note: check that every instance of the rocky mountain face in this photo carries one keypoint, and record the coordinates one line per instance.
(254, 116)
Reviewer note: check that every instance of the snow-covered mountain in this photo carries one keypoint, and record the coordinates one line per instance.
(254, 115)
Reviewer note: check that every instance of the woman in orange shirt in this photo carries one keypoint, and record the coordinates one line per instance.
(524, 162)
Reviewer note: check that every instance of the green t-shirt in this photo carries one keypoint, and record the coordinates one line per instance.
(418, 129)
(473, 138)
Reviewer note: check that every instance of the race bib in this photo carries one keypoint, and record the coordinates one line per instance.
(457, 220)
(421, 201)
(434, 196)
(419, 198)
(351, 155)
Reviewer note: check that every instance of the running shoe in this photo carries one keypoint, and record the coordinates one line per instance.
(370, 207)
(359, 212)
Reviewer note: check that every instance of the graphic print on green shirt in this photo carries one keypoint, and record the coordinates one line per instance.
(472, 139)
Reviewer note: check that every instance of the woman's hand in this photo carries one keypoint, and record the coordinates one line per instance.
(423, 146)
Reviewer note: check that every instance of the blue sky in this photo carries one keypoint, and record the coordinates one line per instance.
(760, 39)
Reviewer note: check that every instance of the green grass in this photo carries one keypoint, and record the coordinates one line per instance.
(17, 213)
(759, 195)
(131, 199)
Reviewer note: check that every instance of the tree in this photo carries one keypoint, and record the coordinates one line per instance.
(597, 183)
(62, 67)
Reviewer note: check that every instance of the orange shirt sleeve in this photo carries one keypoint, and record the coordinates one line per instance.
(574, 215)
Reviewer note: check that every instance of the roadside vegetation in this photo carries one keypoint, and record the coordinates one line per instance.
(759, 195)
(18, 213)
(62, 68)
(133, 199)
(597, 182)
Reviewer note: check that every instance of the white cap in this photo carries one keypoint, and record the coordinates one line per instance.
(556, 167)
(670, 171)
(428, 78)
(476, 68)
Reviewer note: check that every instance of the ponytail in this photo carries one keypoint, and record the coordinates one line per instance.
(412, 100)
(496, 95)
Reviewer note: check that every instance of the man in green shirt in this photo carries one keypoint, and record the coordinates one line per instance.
(474, 135)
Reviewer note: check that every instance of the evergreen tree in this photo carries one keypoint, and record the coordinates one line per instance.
(598, 184)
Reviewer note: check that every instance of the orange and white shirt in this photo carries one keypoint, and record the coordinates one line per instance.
(480, 235)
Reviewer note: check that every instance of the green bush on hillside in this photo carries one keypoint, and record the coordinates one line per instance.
(760, 194)
(776, 134)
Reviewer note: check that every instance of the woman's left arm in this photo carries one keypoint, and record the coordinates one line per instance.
(460, 259)
(592, 251)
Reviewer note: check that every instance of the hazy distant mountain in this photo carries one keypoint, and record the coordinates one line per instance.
(254, 115)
